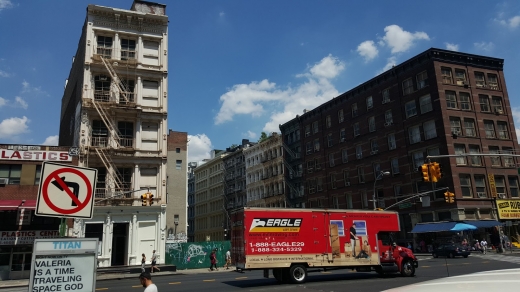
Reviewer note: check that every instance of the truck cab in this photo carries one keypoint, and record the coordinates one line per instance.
(394, 258)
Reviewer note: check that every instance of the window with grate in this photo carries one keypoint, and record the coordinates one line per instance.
(460, 76)
(492, 81)
(480, 82)
(465, 102)
(480, 186)
(451, 99)
(446, 75)
(513, 186)
(465, 185)
(497, 105)
(503, 132)
(460, 149)
(469, 128)
(489, 127)
(508, 160)
(484, 103)
(495, 160)
(475, 160)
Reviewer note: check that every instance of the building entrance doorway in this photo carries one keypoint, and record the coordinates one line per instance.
(119, 244)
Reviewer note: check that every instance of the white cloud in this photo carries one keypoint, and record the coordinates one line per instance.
(250, 135)
(5, 4)
(11, 127)
(3, 73)
(390, 62)
(483, 46)
(516, 117)
(21, 102)
(400, 40)
(27, 88)
(367, 50)
(514, 21)
(3, 102)
(256, 98)
(51, 141)
(452, 47)
(199, 147)
(221, 14)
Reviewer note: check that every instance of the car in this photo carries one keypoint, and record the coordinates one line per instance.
(451, 250)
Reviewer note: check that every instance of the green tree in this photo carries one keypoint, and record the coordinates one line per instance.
(263, 137)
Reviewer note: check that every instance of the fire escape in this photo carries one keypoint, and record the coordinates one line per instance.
(292, 172)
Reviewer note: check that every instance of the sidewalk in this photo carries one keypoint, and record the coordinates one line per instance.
(117, 276)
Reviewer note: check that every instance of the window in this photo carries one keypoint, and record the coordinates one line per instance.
(465, 103)
(127, 49)
(377, 170)
(418, 159)
(38, 174)
(446, 75)
(469, 128)
(354, 110)
(394, 164)
(456, 128)
(333, 180)
(335, 202)
(319, 184)
(410, 108)
(361, 175)
(359, 152)
(497, 105)
(407, 86)
(12, 172)
(341, 117)
(475, 160)
(414, 134)
(492, 81)
(177, 150)
(465, 185)
(346, 177)
(495, 160)
(178, 164)
(104, 46)
(502, 130)
(480, 185)
(102, 88)
(451, 99)
(460, 149)
(342, 135)
(433, 151)
(460, 76)
(513, 186)
(501, 186)
(316, 145)
(425, 103)
(422, 80)
(391, 142)
(397, 192)
(317, 164)
(430, 131)
(386, 95)
(331, 159)
(315, 127)
(310, 166)
(480, 82)
(508, 160)
(389, 119)
(307, 130)
(312, 186)
(374, 147)
(370, 102)
(328, 122)
(329, 140)
(308, 145)
(356, 129)
(484, 103)
(490, 129)
(344, 155)
(349, 201)
(372, 124)
(126, 130)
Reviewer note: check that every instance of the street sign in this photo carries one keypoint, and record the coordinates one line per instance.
(66, 191)
(405, 205)
(65, 264)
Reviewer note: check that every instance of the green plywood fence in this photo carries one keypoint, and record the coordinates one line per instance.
(195, 255)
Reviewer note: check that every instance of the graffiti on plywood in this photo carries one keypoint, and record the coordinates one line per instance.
(194, 255)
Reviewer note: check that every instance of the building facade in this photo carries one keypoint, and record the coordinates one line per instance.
(20, 174)
(114, 109)
(191, 201)
(363, 148)
(293, 162)
(176, 187)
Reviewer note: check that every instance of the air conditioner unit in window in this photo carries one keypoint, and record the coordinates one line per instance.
(455, 134)
(460, 82)
(388, 124)
(501, 195)
(481, 194)
(499, 111)
(4, 181)
(347, 184)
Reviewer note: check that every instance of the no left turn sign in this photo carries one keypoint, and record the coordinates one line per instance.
(66, 191)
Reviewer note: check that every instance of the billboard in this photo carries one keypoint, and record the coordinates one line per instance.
(508, 209)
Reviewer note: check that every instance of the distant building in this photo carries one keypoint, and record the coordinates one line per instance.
(20, 175)
(436, 103)
(176, 187)
(114, 109)
(191, 201)
(293, 162)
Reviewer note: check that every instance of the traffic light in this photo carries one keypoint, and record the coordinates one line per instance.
(144, 199)
(435, 172)
(449, 197)
(424, 169)
(150, 199)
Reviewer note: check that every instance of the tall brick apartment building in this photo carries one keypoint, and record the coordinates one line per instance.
(436, 103)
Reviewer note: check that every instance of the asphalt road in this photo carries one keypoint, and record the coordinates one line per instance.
(338, 280)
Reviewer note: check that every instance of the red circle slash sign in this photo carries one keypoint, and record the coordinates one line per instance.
(56, 176)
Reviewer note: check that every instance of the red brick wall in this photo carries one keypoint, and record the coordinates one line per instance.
(177, 140)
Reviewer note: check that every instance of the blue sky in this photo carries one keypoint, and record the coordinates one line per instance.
(237, 68)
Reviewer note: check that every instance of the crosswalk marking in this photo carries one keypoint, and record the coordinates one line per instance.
(498, 257)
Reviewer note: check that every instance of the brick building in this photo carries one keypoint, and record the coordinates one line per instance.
(177, 185)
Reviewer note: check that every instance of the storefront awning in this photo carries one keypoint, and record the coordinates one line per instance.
(9, 205)
(433, 227)
(483, 223)
(28, 204)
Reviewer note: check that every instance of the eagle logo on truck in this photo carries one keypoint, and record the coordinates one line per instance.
(276, 225)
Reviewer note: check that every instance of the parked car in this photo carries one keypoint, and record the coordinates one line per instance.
(451, 250)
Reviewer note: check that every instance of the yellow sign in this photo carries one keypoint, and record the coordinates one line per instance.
(508, 209)
(492, 186)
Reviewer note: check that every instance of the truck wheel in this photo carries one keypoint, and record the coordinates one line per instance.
(379, 271)
(298, 274)
(277, 274)
(408, 269)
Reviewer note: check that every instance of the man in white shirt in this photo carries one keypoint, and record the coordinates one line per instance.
(228, 259)
(146, 281)
(483, 245)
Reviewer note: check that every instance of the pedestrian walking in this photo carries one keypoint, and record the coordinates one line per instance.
(146, 281)
(154, 262)
(228, 259)
(353, 239)
(483, 245)
(143, 262)
(213, 260)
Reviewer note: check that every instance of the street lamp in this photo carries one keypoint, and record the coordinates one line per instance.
(378, 176)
